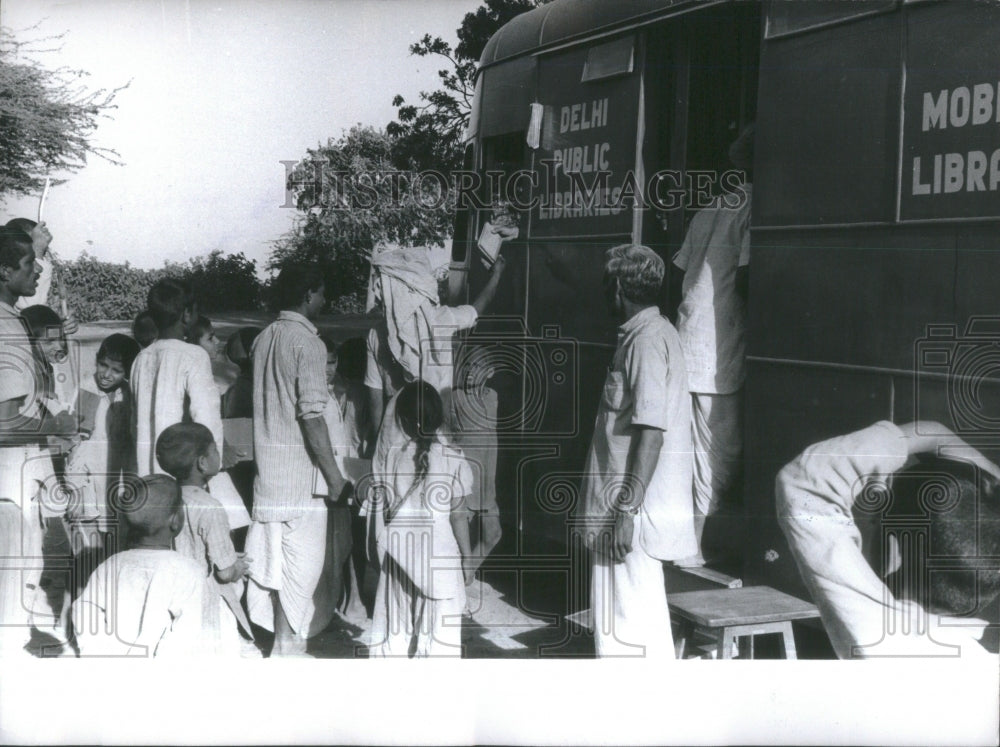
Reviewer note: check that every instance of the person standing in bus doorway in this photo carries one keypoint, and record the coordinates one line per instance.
(711, 281)
(635, 508)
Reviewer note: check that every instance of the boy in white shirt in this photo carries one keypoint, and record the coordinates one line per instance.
(145, 601)
(172, 382)
(171, 379)
(187, 451)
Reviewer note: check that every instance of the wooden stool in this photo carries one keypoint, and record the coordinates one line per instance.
(725, 615)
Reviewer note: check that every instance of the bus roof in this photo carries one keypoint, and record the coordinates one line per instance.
(565, 21)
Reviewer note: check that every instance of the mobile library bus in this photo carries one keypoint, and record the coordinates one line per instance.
(874, 223)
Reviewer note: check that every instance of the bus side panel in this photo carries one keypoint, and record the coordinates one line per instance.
(827, 125)
(548, 486)
(951, 130)
(788, 408)
(566, 289)
(858, 296)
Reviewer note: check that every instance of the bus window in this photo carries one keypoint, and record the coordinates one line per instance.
(508, 90)
(791, 16)
(608, 60)
(828, 128)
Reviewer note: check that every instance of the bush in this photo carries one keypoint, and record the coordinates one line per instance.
(224, 282)
(108, 290)
(103, 290)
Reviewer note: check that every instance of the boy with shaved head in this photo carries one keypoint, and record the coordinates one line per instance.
(147, 600)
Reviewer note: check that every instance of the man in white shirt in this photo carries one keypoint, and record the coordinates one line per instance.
(635, 509)
(288, 537)
(23, 463)
(909, 512)
(41, 238)
(711, 273)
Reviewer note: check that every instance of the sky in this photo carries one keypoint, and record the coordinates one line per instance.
(219, 94)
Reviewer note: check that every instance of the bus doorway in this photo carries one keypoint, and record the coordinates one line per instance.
(700, 91)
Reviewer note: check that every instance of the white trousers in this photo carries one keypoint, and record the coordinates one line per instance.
(629, 602)
(717, 435)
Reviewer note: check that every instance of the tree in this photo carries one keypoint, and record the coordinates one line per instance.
(364, 190)
(429, 135)
(355, 198)
(47, 117)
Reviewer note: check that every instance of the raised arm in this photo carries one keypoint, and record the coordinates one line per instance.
(930, 437)
(485, 297)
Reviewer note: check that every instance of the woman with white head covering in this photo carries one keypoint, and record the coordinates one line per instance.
(415, 340)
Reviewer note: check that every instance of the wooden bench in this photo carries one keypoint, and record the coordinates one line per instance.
(726, 615)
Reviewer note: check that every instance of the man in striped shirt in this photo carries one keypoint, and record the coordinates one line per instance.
(287, 539)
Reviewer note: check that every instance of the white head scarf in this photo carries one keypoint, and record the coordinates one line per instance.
(409, 292)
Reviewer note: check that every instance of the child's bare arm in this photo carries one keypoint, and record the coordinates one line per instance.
(459, 519)
(234, 572)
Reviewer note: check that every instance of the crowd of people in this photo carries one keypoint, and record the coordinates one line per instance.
(359, 478)
(184, 538)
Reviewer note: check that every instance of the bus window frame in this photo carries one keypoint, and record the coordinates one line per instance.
(892, 6)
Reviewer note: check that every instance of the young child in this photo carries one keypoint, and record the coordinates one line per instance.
(347, 386)
(105, 452)
(172, 383)
(336, 569)
(237, 402)
(57, 402)
(202, 334)
(422, 490)
(144, 329)
(48, 337)
(475, 420)
(188, 452)
(147, 600)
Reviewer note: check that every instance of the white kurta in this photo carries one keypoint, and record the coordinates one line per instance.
(171, 383)
(421, 589)
(141, 603)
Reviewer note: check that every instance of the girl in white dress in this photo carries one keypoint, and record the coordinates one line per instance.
(424, 546)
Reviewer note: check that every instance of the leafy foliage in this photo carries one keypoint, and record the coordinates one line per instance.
(47, 117)
(428, 135)
(355, 197)
(344, 220)
(224, 282)
(109, 290)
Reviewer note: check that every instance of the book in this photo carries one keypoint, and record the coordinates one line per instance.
(353, 469)
(489, 244)
(237, 434)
